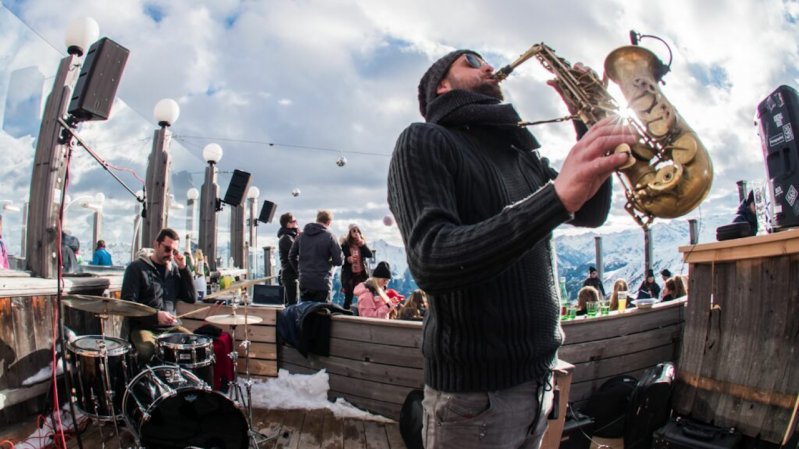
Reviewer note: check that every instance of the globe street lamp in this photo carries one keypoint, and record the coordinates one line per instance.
(210, 204)
(50, 158)
(157, 203)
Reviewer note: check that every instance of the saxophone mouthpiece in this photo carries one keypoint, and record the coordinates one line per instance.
(503, 73)
(634, 37)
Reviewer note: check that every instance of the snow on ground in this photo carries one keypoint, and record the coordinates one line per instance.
(304, 391)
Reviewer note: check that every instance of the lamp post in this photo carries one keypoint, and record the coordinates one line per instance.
(209, 204)
(50, 158)
(135, 245)
(252, 226)
(191, 204)
(166, 112)
(237, 236)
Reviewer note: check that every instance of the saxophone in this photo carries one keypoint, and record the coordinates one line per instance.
(669, 172)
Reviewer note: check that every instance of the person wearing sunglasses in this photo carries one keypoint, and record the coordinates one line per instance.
(476, 206)
(288, 232)
(158, 278)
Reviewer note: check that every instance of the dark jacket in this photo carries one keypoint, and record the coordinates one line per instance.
(346, 269)
(286, 238)
(648, 290)
(476, 209)
(313, 255)
(144, 284)
(596, 283)
(306, 326)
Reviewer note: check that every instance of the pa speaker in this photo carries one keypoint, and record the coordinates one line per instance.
(267, 212)
(237, 188)
(98, 81)
(778, 119)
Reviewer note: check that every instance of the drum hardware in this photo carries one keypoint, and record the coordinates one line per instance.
(234, 387)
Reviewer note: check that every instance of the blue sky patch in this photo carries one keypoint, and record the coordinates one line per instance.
(154, 12)
(713, 75)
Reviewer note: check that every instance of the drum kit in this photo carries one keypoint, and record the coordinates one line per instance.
(168, 405)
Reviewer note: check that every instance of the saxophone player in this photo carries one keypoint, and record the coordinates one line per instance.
(476, 207)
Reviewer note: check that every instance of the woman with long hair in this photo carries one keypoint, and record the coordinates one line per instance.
(354, 271)
(415, 307)
(619, 286)
(372, 299)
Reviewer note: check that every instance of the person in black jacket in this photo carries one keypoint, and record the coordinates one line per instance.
(649, 288)
(593, 281)
(476, 206)
(289, 229)
(158, 280)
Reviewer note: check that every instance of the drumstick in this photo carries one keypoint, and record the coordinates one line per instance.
(193, 312)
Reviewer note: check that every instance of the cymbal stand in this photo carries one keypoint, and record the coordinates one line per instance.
(104, 375)
(235, 392)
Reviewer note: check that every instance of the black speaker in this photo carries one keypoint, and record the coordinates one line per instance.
(98, 81)
(778, 115)
(267, 212)
(237, 189)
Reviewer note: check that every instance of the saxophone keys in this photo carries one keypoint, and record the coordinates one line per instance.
(625, 148)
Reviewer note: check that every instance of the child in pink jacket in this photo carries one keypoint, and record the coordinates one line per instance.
(372, 299)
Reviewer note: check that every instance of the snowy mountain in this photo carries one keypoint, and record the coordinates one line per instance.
(622, 254)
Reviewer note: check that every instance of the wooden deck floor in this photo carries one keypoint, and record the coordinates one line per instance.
(284, 429)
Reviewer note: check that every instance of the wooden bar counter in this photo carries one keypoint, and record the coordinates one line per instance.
(738, 364)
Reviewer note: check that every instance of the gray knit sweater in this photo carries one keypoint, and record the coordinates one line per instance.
(476, 214)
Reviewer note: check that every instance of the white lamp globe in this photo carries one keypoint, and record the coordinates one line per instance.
(295, 192)
(253, 193)
(99, 197)
(212, 153)
(81, 33)
(166, 112)
(192, 194)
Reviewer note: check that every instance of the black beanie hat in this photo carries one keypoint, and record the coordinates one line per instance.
(666, 272)
(382, 271)
(433, 76)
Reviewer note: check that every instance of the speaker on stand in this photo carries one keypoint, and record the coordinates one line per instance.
(777, 119)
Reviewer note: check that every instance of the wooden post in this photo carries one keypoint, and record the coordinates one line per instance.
(208, 218)
(252, 227)
(237, 236)
(97, 228)
(157, 186)
(598, 250)
(268, 263)
(190, 206)
(47, 179)
(693, 231)
(647, 250)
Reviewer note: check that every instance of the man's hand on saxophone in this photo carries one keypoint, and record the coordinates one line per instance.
(591, 161)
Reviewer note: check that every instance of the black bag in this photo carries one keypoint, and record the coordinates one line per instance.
(608, 406)
(650, 406)
(412, 419)
(682, 433)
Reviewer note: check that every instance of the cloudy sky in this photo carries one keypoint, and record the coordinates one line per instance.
(287, 87)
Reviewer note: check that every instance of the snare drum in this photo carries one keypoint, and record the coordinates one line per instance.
(193, 352)
(169, 407)
(100, 367)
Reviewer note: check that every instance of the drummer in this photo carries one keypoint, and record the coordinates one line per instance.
(157, 279)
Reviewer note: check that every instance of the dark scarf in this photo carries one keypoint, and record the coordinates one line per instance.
(287, 231)
(464, 108)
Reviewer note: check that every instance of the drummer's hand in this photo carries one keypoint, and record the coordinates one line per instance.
(180, 259)
(165, 318)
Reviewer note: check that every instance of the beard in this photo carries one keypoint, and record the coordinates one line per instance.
(490, 89)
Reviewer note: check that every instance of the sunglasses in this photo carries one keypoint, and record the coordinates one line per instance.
(474, 61)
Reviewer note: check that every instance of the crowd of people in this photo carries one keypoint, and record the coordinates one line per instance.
(674, 286)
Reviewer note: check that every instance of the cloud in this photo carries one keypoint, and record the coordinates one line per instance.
(288, 87)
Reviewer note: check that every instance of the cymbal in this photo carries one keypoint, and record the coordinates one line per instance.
(108, 306)
(235, 285)
(234, 320)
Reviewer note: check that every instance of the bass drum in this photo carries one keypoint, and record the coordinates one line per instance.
(168, 407)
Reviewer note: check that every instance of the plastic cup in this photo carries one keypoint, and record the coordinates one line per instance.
(571, 312)
(622, 297)
(604, 308)
(592, 308)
